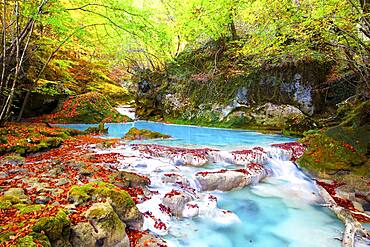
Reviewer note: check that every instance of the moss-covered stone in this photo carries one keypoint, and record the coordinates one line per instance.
(25, 208)
(56, 228)
(33, 240)
(143, 134)
(14, 196)
(340, 154)
(104, 228)
(5, 235)
(120, 200)
(97, 130)
(13, 159)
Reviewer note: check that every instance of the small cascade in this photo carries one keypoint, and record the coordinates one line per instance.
(127, 110)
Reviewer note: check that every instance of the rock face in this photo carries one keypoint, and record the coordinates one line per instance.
(226, 180)
(104, 228)
(197, 97)
(272, 114)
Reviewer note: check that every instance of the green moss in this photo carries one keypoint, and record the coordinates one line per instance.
(3, 140)
(355, 116)
(25, 209)
(14, 196)
(13, 158)
(143, 134)
(32, 240)
(5, 204)
(338, 153)
(4, 236)
(55, 228)
(120, 199)
(97, 130)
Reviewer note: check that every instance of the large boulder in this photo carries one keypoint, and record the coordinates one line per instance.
(226, 180)
(120, 200)
(104, 229)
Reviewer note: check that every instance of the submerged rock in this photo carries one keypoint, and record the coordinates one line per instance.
(104, 228)
(226, 180)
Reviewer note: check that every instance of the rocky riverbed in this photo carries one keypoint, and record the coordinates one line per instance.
(114, 192)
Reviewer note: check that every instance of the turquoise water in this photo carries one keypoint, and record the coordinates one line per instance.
(277, 212)
(184, 135)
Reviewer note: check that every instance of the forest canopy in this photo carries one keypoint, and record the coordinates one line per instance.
(150, 33)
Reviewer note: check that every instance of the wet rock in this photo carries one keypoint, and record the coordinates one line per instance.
(358, 206)
(55, 171)
(191, 209)
(226, 180)
(131, 179)
(54, 191)
(175, 201)
(39, 186)
(104, 228)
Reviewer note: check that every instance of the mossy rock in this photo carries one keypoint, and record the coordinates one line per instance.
(97, 130)
(25, 208)
(56, 228)
(14, 196)
(5, 235)
(143, 134)
(338, 154)
(13, 159)
(104, 228)
(33, 240)
(120, 200)
(355, 115)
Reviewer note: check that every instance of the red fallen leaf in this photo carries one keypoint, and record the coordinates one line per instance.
(172, 193)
